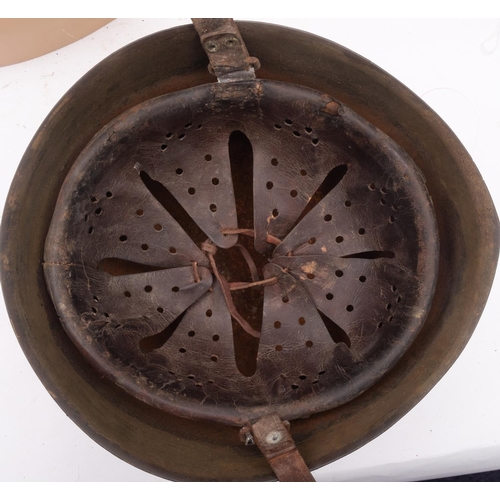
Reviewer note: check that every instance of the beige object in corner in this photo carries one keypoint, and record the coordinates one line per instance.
(24, 39)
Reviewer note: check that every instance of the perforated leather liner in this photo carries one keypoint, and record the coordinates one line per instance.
(339, 228)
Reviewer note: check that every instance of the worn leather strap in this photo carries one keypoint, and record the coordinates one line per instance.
(226, 291)
(226, 50)
(277, 445)
(250, 263)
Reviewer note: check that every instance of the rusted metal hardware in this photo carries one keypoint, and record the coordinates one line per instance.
(229, 58)
(274, 440)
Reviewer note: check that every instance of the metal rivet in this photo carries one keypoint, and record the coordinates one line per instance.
(249, 439)
(231, 41)
(212, 46)
(274, 437)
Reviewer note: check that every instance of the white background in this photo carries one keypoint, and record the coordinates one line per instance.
(454, 65)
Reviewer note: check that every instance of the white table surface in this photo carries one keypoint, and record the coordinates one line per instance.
(454, 65)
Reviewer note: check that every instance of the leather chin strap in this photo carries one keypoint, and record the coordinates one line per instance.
(226, 50)
(273, 439)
